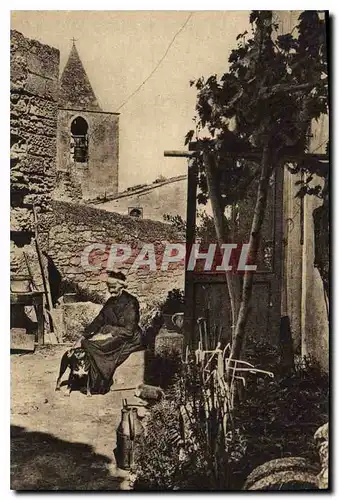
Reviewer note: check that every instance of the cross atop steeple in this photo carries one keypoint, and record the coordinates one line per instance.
(75, 89)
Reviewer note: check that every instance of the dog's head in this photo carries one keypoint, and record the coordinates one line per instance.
(79, 361)
(76, 353)
(79, 354)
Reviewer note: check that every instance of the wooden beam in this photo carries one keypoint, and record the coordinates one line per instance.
(180, 154)
(255, 154)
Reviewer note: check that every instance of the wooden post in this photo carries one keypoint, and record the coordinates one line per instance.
(192, 184)
(41, 262)
(40, 318)
(53, 329)
(191, 213)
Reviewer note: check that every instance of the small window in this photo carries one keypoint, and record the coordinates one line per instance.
(135, 212)
(79, 140)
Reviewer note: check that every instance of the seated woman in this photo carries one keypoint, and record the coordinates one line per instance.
(119, 318)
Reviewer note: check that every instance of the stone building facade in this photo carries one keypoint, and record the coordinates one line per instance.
(87, 138)
(304, 300)
(150, 201)
(78, 226)
(65, 229)
(33, 122)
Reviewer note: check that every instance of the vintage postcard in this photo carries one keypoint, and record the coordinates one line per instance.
(169, 250)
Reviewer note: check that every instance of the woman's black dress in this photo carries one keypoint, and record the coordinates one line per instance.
(119, 317)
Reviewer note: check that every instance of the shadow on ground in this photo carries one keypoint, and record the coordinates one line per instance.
(40, 461)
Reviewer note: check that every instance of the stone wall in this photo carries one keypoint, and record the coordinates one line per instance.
(33, 121)
(314, 317)
(78, 226)
(165, 197)
(99, 175)
(303, 287)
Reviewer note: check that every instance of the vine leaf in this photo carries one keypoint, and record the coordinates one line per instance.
(189, 136)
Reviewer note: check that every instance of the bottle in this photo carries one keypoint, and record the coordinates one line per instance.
(124, 442)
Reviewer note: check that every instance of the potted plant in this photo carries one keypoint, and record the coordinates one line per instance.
(173, 309)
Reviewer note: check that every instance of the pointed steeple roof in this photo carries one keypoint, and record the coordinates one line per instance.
(75, 89)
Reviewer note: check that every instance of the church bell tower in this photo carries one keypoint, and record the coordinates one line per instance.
(87, 139)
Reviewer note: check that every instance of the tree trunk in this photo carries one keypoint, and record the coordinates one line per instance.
(221, 231)
(259, 213)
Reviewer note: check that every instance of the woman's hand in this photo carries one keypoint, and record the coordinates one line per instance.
(77, 343)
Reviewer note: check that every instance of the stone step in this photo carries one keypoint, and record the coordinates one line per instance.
(21, 340)
(131, 372)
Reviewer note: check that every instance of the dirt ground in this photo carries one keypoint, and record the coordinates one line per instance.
(59, 442)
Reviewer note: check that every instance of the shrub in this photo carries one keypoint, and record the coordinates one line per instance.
(161, 465)
(157, 455)
(276, 418)
(187, 446)
(175, 302)
(279, 416)
(163, 370)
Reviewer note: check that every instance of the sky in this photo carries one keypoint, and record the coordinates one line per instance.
(119, 50)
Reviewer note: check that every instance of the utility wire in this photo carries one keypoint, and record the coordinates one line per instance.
(152, 72)
(158, 64)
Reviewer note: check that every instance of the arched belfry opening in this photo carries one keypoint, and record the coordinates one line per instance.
(79, 140)
(88, 137)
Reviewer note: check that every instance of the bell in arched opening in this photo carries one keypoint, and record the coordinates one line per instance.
(79, 131)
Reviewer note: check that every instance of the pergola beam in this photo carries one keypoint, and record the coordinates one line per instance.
(253, 155)
(179, 154)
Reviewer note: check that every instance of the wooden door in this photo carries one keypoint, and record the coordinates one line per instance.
(207, 294)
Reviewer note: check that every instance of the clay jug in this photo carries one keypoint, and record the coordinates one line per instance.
(124, 441)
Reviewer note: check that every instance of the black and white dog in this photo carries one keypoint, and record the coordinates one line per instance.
(77, 361)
